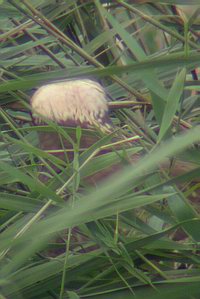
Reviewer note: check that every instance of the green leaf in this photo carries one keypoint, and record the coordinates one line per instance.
(172, 103)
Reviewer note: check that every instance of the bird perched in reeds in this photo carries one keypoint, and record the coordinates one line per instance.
(70, 104)
(75, 103)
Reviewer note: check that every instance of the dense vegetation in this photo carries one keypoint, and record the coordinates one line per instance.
(136, 235)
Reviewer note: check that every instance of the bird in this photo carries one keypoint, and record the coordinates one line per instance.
(71, 103)
(81, 103)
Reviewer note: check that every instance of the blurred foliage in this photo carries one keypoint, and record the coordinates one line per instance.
(137, 233)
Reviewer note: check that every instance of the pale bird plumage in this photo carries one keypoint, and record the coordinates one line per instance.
(77, 102)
